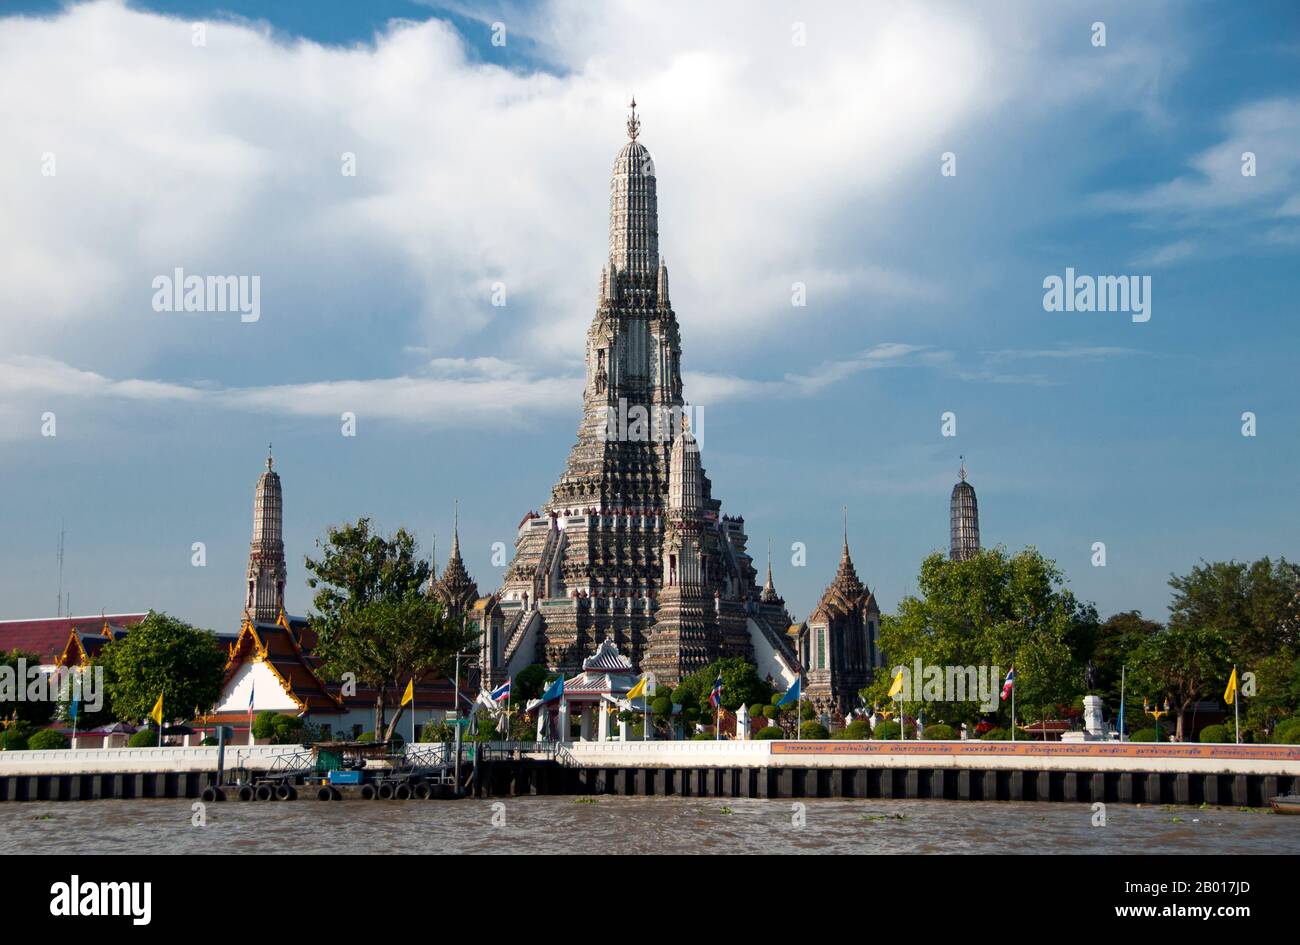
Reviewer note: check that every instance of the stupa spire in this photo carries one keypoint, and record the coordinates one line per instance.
(633, 208)
(264, 598)
(963, 519)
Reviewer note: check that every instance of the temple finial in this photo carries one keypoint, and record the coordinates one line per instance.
(962, 471)
(455, 530)
(633, 123)
(269, 460)
(845, 510)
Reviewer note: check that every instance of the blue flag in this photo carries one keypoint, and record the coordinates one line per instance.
(791, 694)
(554, 690)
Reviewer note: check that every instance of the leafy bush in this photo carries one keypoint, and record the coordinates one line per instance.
(1287, 732)
(662, 707)
(1286, 735)
(886, 730)
(940, 732)
(702, 737)
(264, 725)
(995, 735)
(756, 710)
(813, 729)
(771, 712)
(858, 730)
(1147, 735)
(366, 737)
(46, 739)
(14, 738)
(286, 730)
(1217, 733)
(768, 733)
(145, 738)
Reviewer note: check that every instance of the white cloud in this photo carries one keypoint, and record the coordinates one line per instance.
(225, 159)
(1270, 130)
(455, 394)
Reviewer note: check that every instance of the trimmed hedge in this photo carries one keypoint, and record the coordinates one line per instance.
(1213, 734)
(768, 733)
(886, 730)
(1287, 732)
(857, 730)
(1147, 735)
(46, 739)
(145, 738)
(814, 730)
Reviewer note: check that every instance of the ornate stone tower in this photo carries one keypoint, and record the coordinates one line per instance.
(840, 647)
(456, 589)
(685, 637)
(266, 568)
(591, 565)
(964, 519)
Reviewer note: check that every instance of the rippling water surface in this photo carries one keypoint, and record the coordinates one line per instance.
(651, 825)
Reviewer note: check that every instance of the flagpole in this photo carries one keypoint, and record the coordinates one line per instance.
(412, 710)
(1122, 671)
(1013, 709)
(1236, 703)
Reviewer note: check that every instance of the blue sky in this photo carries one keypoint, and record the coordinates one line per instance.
(776, 163)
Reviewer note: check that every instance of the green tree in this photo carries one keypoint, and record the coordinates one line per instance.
(529, 683)
(33, 711)
(740, 685)
(374, 619)
(1255, 610)
(1182, 664)
(993, 609)
(1254, 607)
(162, 656)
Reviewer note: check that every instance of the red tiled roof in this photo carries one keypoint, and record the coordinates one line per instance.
(47, 636)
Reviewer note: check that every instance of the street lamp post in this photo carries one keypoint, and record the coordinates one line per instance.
(1155, 714)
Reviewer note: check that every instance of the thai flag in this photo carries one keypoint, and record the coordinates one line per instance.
(1009, 684)
(501, 692)
(715, 697)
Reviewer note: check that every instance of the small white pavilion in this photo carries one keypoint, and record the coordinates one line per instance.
(595, 694)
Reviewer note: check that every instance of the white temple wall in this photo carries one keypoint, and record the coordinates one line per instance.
(768, 660)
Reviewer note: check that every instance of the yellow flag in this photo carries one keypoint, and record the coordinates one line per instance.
(409, 695)
(1230, 694)
(639, 689)
(897, 685)
(156, 714)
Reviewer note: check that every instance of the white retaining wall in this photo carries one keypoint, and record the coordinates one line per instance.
(1050, 756)
(138, 760)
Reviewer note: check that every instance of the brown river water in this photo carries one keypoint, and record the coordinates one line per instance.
(636, 824)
